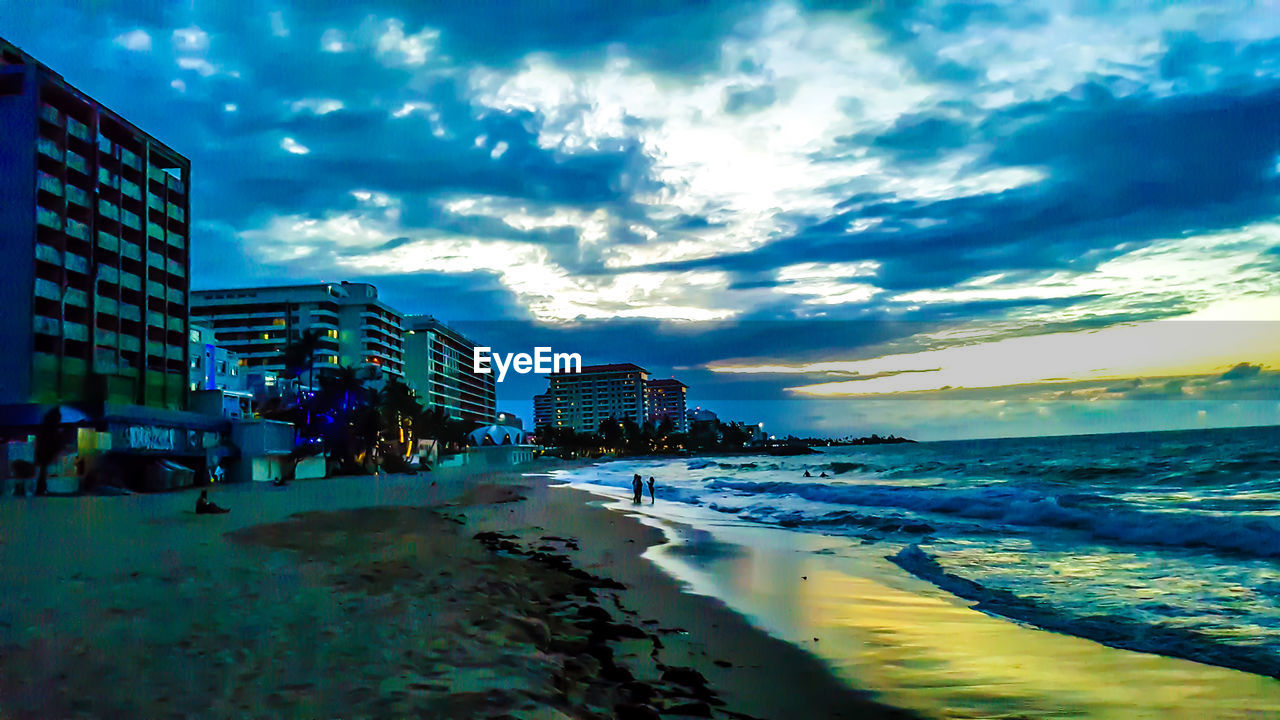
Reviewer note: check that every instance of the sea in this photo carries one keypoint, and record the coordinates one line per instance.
(1164, 543)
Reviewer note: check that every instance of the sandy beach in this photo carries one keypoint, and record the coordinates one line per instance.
(446, 596)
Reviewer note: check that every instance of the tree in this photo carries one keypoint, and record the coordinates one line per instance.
(300, 354)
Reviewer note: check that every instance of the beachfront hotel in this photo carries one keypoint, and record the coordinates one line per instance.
(438, 365)
(665, 400)
(582, 400)
(93, 239)
(544, 410)
(355, 327)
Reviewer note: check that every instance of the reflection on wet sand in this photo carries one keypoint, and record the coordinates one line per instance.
(915, 646)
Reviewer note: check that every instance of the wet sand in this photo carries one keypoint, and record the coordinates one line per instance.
(489, 596)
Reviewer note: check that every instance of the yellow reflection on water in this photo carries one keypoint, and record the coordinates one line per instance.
(915, 646)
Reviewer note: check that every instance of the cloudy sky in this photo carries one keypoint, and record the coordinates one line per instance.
(943, 220)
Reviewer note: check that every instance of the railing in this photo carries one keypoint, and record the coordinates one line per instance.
(49, 183)
(45, 325)
(49, 148)
(77, 298)
(107, 305)
(105, 337)
(48, 254)
(155, 202)
(155, 288)
(78, 129)
(175, 268)
(130, 343)
(177, 240)
(77, 162)
(48, 218)
(130, 250)
(130, 189)
(130, 312)
(77, 263)
(176, 296)
(77, 229)
(176, 185)
(108, 209)
(78, 196)
(155, 259)
(177, 213)
(129, 158)
(129, 281)
(50, 114)
(130, 220)
(108, 242)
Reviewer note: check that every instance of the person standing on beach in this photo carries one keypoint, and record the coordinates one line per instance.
(652, 499)
(636, 486)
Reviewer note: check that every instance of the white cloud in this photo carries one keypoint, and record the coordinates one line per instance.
(316, 106)
(191, 39)
(138, 40)
(334, 41)
(230, 107)
(394, 46)
(178, 85)
(278, 26)
(293, 146)
(200, 65)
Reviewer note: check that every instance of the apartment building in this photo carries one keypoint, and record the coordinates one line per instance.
(438, 364)
(583, 400)
(355, 327)
(665, 400)
(543, 410)
(94, 244)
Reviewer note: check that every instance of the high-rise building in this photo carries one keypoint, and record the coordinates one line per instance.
(665, 400)
(439, 365)
(355, 327)
(543, 410)
(94, 245)
(583, 400)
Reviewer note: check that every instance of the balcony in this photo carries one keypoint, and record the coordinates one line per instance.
(130, 220)
(130, 343)
(130, 189)
(75, 331)
(77, 162)
(176, 268)
(48, 218)
(130, 159)
(78, 230)
(175, 324)
(155, 259)
(48, 254)
(108, 209)
(176, 185)
(45, 325)
(155, 348)
(48, 290)
(107, 305)
(49, 148)
(78, 129)
(49, 183)
(129, 281)
(131, 251)
(155, 319)
(176, 296)
(177, 240)
(174, 352)
(77, 263)
(130, 312)
(177, 213)
(77, 196)
(108, 242)
(155, 231)
(155, 288)
(77, 298)
(105, 337)
(155, 202)
(51, 115)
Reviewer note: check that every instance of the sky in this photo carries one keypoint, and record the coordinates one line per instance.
(930, 219)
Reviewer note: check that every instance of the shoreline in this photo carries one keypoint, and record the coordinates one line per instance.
(366, 597)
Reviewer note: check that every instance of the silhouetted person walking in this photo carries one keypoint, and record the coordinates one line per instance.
(652, 499)
(204, 507)
(637, 486)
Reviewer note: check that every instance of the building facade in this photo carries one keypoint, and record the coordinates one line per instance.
(543, 410)
(583, 400)
(94, 241)
(439, 366)
(665, 400)
(355, 328)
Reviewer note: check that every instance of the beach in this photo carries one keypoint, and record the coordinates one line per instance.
(440, 595)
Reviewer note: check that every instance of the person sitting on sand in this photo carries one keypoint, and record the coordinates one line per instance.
(652, 499)
(204, 507)
(807, 474)
(636, 486)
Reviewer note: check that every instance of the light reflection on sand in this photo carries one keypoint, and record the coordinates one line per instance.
(915, 646)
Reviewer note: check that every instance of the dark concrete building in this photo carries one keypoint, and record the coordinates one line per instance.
(94, 244)
(438, 364)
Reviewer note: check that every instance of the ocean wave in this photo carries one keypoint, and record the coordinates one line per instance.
(1024, 507)
(1112, 630)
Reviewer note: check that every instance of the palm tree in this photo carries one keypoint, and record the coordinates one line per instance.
(300, 354)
